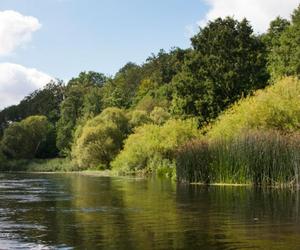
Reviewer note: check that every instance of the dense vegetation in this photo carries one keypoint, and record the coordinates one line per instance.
(224, 110)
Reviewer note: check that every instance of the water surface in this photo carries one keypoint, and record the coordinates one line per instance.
(39, 211)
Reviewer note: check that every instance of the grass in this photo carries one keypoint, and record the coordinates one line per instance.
(261, 158)
(39, 165)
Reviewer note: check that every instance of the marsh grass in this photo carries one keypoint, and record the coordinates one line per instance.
(260, 158)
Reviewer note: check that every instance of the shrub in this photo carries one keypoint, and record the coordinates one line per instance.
(277, 107)
(152, 146)
(114, 115)
(22, 140)
(139, 118)
(159, 116)
(100, 139)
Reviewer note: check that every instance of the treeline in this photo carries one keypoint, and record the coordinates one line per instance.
(137, 119)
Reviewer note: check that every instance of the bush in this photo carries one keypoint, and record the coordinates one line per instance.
(153, 146)
(116, 116)
(277, 107)
(159, 116)
(100, 139)
(139, 118)
(22, 140)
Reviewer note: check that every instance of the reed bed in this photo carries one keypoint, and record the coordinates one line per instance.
(259, 158)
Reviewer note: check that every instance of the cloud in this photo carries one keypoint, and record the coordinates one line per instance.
(15, 30)
(258, 12)
(17, 81)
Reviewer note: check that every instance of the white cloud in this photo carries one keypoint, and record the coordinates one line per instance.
(258, 12)
(17, 81)
(15, 30)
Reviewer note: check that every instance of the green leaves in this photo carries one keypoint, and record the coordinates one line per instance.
(285, 52)
(227, 62)
(100, 139)
(22, 140)
(151, 144)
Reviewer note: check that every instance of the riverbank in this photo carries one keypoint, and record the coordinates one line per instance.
(39, 165)
(56, 166)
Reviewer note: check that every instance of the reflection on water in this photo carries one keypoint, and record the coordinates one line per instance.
(81, 212)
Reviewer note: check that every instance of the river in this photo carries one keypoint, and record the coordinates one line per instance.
(72, 211)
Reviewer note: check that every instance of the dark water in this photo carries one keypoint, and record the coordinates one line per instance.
(80, 212)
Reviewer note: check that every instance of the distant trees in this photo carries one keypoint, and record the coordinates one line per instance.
(285, 53)
(120, 91)
(82, 100)
(45, 101)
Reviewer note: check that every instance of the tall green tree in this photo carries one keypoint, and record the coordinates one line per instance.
(120, 90)
(82, 99)
(284, 57)
(273, 34)
(227, 62)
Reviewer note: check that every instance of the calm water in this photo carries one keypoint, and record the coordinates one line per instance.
(81, 212)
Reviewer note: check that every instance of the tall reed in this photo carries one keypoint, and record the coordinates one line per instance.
(260, 158)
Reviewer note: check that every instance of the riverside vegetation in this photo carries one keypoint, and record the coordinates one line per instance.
(226, 110)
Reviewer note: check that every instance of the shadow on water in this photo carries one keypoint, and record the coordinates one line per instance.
(239, 217)
(80, 212)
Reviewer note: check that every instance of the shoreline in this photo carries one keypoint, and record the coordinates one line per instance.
(109, 173)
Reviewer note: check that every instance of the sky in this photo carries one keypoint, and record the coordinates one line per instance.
(42, 40)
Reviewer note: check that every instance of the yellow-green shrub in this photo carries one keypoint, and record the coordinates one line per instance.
(159, 115)
(152, 144)
(138, 118)
(100, 139)
(276, 107)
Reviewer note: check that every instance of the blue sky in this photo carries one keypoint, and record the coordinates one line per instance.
(101, 35)
(45, 39)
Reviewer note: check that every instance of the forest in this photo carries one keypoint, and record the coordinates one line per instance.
(225, 110)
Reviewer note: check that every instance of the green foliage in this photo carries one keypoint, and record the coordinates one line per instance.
(97, 145)
(100, 139)
(120, 91)
(284, 56)
(22, 140)
(39, 165)
(154, 144)
(138, 118)
(45, 101)
(227, 62)
(82, 100)
(277, 27)
(116, 116)
(277, 107)
(148, 103)
(260, 158)
(161, 68)
(159, 116)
